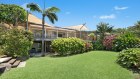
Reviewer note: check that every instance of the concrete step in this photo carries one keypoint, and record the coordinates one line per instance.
(7, 65)
(12, 61)
(2, 56)
(2, 68)
(6, 59)
(16, 63)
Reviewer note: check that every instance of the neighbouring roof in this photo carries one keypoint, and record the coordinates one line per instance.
(79, 27)
(34, 19)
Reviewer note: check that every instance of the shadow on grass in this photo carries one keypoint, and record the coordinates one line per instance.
(66, 55)
(54, 55)
(133, 69)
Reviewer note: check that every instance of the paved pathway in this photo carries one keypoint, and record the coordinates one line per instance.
(22, 64)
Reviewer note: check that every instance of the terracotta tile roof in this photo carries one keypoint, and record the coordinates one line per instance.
(34, 19)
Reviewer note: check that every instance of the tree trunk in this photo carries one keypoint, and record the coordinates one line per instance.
(27, 26)
(15, 22)
(43, 34)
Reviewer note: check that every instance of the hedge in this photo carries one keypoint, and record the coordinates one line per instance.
(65, 46)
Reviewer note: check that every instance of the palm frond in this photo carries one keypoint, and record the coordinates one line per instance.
(51, 13)
(54, 16)
(34, 7)
(52, 10)
(104, 27)
(50, 18)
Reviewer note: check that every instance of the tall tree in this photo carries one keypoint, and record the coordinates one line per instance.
(119, 31)
(103, 28)
(135, 29)
(137, 25)
(12, 14)
(49, 12)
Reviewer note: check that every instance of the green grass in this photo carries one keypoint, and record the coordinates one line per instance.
(92, 65)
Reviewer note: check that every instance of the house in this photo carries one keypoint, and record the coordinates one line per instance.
(52, 32)
(81, 31)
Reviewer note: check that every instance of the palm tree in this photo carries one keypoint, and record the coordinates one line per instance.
(49, 12)
(103, 28)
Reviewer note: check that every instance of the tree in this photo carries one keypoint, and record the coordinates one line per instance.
(137, 25)
(103, 28)
(49, 12)
(16, 42)
(119, 31)
(12, 14)
(135, 29)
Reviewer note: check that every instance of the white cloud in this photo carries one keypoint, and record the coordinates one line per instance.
(120, 8)
(112, 16)
(68, 13)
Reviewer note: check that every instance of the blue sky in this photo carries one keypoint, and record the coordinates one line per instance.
(119, 13)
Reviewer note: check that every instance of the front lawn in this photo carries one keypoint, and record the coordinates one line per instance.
(92, 65)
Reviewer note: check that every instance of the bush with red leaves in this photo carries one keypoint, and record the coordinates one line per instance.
(108, 42)
(88, 46)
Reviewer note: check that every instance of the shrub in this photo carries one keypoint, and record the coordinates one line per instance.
(108, 42)
(1, 51)
(18, 42)
(97, 45)
(64, 46)
(88, 46)
(2, 35)
(2, 38)
(92, 36)
(125, 41)
(130, 58)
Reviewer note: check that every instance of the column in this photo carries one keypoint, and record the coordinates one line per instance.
(67, 34)
(80, 34)
(75, 34)
(45, 33)
(45, 47)
(57, 33)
